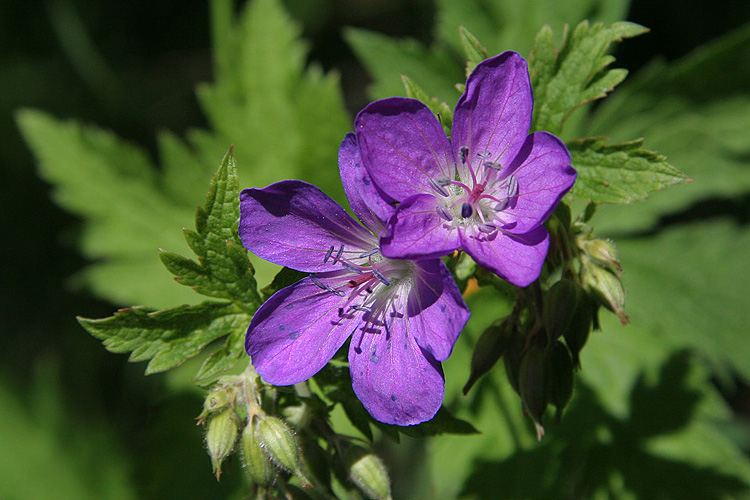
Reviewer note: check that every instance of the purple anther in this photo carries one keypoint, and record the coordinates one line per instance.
(318, 283)
(362, 309)
(464, 151)
(352, 268)
(492, 164)
(487, 228)
(380, 276)
(502, 205)
(484, 154)
(328, 255)
(437, 187)
(338, 254)
(466, 210)
(369, 253)
(511, 186)
(442, 212)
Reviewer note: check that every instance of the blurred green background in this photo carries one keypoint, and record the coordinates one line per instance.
(75, 420)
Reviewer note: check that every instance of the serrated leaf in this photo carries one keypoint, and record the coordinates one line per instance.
(619, 173)
(264, 100)
(577, 73)
(224, 270)
(441, 109)
(166, 337)
(697, 112)
(474, 51)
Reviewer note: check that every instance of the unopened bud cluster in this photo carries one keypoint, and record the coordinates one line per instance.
(268, 445)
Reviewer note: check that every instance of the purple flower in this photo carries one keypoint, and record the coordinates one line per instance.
(403, 316)
(487, 190)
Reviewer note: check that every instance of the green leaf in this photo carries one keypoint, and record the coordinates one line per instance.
(224, 270)
(474, 51)
(166, 337)
(697, 112)
(511, 25)
(223, 359)
(619, 173)
(283, 279)
(577, 73)
(387, 58)
(285, 120)
(441, 109)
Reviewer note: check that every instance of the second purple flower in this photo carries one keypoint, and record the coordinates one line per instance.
(487, 190)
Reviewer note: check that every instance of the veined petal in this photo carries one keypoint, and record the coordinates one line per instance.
(517, 259)
(299, 329)
(417, 231)
(437, 313)
(544, 173)
(493, 116)
(403, 146)
(367, 202)
(397, 381)
(294, 224)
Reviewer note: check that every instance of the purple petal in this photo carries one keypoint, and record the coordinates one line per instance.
(416, 230)
(544, 173)
(493, 116)
(515, 258)
(298, 330)
(396, 380)
(367, 202)
(403, 146)
(437, 313)
(294, 224)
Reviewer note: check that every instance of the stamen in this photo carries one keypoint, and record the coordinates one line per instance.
(368, 289)
(511, 186)
(318, 283)
(380, 276)
(328, 255)
(492, 164)
(466, 210)
(438, 188)
(487, 228)
(483, 154)
(369, 253)
(502, 205)
(338, 254)
(464, 151)
(337, 292)
(442, 212)
(352, 267)
(362, 308)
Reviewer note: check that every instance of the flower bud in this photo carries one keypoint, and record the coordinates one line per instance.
(531, 380)
(604, 253)
(216, 400)
(279, 444)
(368, 472)
(220, 437)
(256, 463)
(488, 349)
(558, 378)
(607, 289)
(560, 304)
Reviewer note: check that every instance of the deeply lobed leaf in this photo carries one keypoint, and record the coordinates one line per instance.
(619, 173)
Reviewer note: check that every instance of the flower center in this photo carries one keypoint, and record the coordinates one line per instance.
(478, 200)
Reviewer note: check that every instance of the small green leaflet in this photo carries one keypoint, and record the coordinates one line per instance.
(167, 337)
(566, 78)
(170, 336)
(224, 270)
(619, 173)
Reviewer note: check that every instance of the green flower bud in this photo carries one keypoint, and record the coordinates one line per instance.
(216, 400)
(558, 378)
(280, 445)
(604, 253)
(531, 381)
(489, 349)
(256, 463)
(368, 472)
(607, 289)
(560, 304)
(220, 437)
